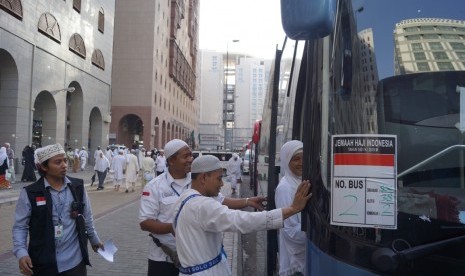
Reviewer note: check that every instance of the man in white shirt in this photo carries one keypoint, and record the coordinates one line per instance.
(83, 156)
(158, 197)
(199, 220)
(160, 162)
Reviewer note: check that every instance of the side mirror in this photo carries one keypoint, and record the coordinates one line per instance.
(308, 19)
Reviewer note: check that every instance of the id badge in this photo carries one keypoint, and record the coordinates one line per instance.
(58, 231)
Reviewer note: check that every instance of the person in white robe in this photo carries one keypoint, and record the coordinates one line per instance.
(132, 170)
(199, 220)
(148, 169)
(101, 167)
(234, 171)
(118, 165)
(160, 162)
(292, 241)
(109, 154)
(83, 156)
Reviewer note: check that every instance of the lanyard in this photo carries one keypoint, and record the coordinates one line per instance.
(171, 185)
(182, 205)
(61, 203)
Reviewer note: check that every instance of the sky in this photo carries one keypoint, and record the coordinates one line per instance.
(257, 24)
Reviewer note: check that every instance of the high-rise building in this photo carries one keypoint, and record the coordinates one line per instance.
(55, 72)
(154, 72)
(252, 76)
(211, 129)
(429, 44)
(368, 76)
(246, 79)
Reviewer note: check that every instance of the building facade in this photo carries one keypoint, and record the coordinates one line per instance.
(211, 128)
(55, 72)
(232, 97)
(154, 72)
(429, 44)
(369, 76)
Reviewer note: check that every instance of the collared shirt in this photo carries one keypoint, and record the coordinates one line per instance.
(158, 198)
(200, 226)
(68, 252)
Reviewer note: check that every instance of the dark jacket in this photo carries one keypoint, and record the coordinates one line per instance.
(41, 231)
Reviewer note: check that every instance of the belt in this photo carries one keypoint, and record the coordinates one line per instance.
(201, 267)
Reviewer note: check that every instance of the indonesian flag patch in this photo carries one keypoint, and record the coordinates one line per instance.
(40, 200)
(145, 193)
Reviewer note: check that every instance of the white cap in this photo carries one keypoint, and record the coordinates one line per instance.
(173, 146)
(205, 163)
(47, 152)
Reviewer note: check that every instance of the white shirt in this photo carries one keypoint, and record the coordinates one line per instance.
(101, 164)
(200, 225)
(161, 163)
(158, 198)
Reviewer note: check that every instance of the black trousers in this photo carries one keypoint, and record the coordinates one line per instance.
(79, 270)
(162, 269)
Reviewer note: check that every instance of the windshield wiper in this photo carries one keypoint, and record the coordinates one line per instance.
(387, 259)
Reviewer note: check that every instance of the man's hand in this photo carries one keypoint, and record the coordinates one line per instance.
(95, 247)
(25, 265)
(257, 202)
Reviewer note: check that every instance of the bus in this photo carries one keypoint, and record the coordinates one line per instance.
(328, 92)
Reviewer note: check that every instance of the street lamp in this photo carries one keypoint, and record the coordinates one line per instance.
(225, 91)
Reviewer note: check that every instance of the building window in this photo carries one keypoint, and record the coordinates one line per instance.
(461, 55)
(457, 45)
(430, 36)
(427, 28)
(410, 29)
(101, 20)
(413, 37)
(450, 36)
(97, 59)
(77, 5)
(445, 66)
(48, 25)
(440, 55)
(13, 7)
(445, 28)
(77, 46)
(419, 56)
(435, 46)
(423, 66)
(417, 46)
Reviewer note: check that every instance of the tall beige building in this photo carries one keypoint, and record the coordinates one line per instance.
(429, 44)
(154, 72)
(55, 72)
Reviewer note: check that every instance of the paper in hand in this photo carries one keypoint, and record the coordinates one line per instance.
(110, 250)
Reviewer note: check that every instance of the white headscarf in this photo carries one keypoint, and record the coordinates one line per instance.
(288, 150)
(3, 155)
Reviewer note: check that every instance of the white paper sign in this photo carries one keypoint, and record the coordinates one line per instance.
(110, 250)
(363, 181)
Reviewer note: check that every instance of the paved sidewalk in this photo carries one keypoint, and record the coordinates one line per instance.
(10, 196)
